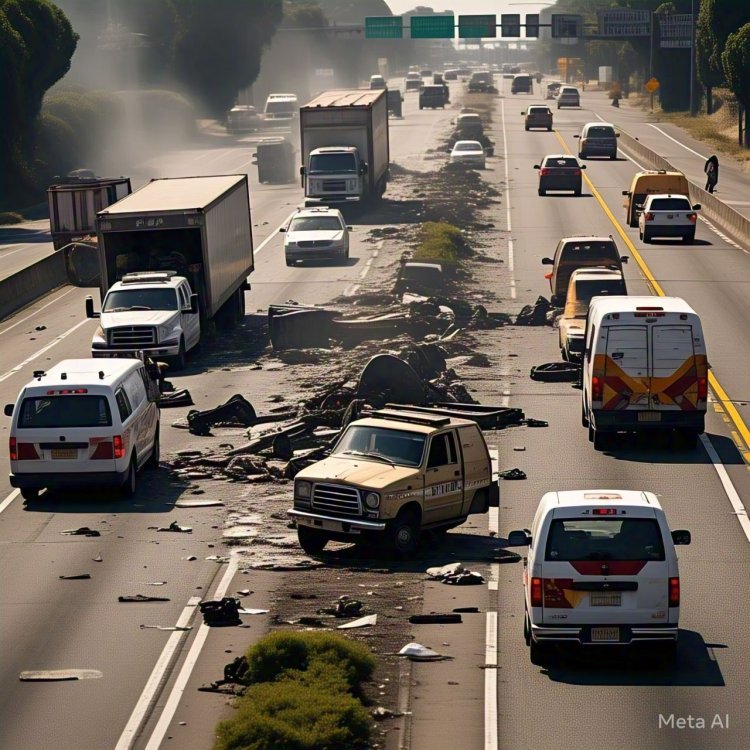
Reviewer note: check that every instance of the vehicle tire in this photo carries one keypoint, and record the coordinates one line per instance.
(178, 362)
(153, 459)
(421, 107)
(577, 193)
(130, 484)
(688, 238)
(689, 438)
(646, 237)
(613, 157)
(538, 653)
(640, 235)
(591, 432)
(582, 155)
(667, 654)
(526, 127)
(564, 354)
(30, 493)
(311, 540)
(584, 418)
(601, 439)
(526, 628)
(403, 533)
(549, 129)
(542, 191)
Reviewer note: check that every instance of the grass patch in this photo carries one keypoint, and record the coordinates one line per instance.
(10, 217)
(441, 242)
(304, 694)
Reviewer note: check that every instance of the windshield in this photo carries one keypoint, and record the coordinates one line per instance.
(467, 146)
(636, 539)
(589, 250)
(600, 132)
(121, 300)
(280, 108)
(65, 411)
(586, 290)
(561, 161)
(315, 223)
(333, 163)
(670, 204)
(400, 447)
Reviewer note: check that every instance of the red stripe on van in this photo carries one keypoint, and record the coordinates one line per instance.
(611, 567)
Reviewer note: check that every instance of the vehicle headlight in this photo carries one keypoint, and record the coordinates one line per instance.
(303, 490)
(372, 500)
(99, 333)
(165, 332)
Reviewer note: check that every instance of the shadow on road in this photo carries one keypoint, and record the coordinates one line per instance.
(666, 448)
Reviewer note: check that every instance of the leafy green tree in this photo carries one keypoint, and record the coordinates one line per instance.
(705, 43)
(219, 47)
(736, 62)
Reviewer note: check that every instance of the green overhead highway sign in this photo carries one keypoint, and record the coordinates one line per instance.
(476, 27)
(511, 24)
(432, 27)
(384, 27)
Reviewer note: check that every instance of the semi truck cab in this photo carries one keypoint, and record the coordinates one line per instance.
(334, 172)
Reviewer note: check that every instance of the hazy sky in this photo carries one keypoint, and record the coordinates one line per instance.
(461, 7)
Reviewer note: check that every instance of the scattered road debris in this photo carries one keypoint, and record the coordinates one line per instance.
(178, 628)
(467, 610)
(249, 611)
(362, 622)
(76, 577)
(435, 619)
(418, 652)
(142, 598)
(221, 613)
(512, 474)
(235, 673)
(556, 372)
(179, 397)
(174, 526)
(98, 558)
(59, 675)
(82, 531)
(455, 574)
(236, 411)
(187, 503)
(530, 422)
(380, 713)
(541, 313)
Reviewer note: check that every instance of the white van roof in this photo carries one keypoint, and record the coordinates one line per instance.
(82, 372)
(601, 306)
(577, 498)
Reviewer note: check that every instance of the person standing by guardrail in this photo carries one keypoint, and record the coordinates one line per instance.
(711, 168)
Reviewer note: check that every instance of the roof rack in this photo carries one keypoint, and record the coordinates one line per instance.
(412, 417)
(138, 277)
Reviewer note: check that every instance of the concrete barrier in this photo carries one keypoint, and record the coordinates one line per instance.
(725, 217)
(34, 281)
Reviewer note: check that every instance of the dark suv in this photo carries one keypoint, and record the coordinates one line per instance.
(432, 96)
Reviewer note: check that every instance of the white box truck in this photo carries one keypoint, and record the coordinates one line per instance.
(173, 257)
(344, 146)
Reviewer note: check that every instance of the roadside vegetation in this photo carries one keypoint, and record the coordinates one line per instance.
(304, 692)
(441, 242)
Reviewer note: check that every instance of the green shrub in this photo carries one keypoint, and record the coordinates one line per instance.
(310, 657)
(10, 217)
(56, 148)
(449, 232)
(441, 242)
(289, 716)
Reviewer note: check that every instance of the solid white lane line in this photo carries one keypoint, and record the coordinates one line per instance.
(38, 310)
(511, 259)
(666, 135)
(273, 234)
(8, 500)
(191, 659)
(129, 734)
(731, 492)
(490, 683)
(44, 349)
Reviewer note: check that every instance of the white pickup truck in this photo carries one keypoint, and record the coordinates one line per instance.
(668, 215)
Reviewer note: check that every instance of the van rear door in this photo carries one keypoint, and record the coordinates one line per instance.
(626, 368)
(604, 567)
(676, 371)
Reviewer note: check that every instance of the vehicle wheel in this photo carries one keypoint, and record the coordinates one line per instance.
(613, 157)
(178, 362)
(526, 628)
(640, 235)
(690, 438)
(646, 237)
(403, 533)
(600, 440)
(29, 493)
(591, 432)
(688, 238)
(538, 653)
(131, 481)
(311, 540)
(421, 107)
(289, 262)
(526, 127)
(584, 418)
(542, 191)
(581, 154)
(153, 459)
(564, 354)
(577, 193)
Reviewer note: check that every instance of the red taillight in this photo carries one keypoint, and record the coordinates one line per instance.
(648, 216)
(119, 445)
(674, 592)
(597, 388)
(22, 451)
(103, 450)
(693, 217)
(544, 171)
(703, 388)
(536, 592)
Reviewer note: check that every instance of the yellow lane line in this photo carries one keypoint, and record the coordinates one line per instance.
(716, 387)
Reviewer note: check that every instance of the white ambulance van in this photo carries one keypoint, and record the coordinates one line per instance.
(601, 570)
(644, 368)
(84, 422)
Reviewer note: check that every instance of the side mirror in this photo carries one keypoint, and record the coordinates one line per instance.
(90, 308)
(519, 539)
(282, 229)
(536, 166)
(626, 192)
(697, 207)
(363, 168)
(8, 410)
(350, 229)
(523, 113)
(548, 262)
(583, 166)
(681, 536)
(548, 276)
(302, 171)
(623, 258)
(617, 135)
(576, 136)
(193, 304)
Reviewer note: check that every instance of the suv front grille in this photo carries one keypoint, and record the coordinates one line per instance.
(314, 243)
(336, 498)
(132, 336)
(334, 186)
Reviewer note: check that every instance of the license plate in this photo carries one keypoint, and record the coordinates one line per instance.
(64, 453)
(605, 599)
(325, 525)
(649, 416)
(670, 216)
(600, 635)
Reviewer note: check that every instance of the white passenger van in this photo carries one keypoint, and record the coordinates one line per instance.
(281, 108)
(84, 422)
(644, 367)
(601, 570)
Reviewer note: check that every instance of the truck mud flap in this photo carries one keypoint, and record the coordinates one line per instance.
(82, 264)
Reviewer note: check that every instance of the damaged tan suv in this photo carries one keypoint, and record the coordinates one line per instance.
(391, 476)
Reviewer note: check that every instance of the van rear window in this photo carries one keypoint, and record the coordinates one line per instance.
(614, 538)
(670, 204)
(65, 411)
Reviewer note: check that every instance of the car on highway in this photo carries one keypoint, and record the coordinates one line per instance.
(450, 74)
(537, 116)
(553, 89)
(585, 283)
(601, 570)
(569, 96)
(580, 252)
(316, 234)
(391, 476)
(84, 422)
(377, 82)
(413, 81)
(650, 182)
(468, 152)
(645, 369)
(668, 215)
(464, 73)
(522, 84)
(597, 139)
(560, 172)
(481, 81)
(243, 117)
(426, 72)
(432, 97)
